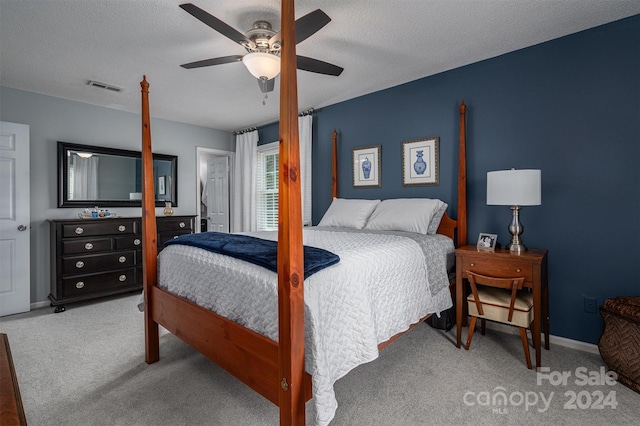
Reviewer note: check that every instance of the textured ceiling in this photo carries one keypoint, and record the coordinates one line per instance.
(54, 47)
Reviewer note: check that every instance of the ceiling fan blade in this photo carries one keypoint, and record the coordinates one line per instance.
(221, 27)
(213, 61)
(306, 26)
(266, 86)
(314, 65)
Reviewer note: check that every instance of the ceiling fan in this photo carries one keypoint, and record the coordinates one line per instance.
(263, 46)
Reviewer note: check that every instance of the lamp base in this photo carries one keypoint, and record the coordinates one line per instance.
(516, 229)
(516, 248)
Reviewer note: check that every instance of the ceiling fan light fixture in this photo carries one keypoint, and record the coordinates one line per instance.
(262, 65)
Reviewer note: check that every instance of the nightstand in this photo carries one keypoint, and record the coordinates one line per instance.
(531, 264)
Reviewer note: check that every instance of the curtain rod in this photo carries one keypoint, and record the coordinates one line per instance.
(251, 129)
(247, 130)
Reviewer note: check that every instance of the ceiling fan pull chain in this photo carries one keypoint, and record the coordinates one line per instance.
(263, 80)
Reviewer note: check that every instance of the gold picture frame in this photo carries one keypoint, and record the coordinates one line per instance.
(420, 162)
(366, 167)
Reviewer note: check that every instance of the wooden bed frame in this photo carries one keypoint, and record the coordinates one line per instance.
(273, 369)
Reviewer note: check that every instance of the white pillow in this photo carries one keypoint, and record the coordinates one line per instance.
(348, 213)
(404, 214)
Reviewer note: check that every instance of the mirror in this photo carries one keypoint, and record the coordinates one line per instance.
(97, 176)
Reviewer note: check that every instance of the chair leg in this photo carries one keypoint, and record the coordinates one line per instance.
(472, 326)
(525, 345)
(483, 325)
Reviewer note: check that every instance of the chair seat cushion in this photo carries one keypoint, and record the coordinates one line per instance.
(495, 304)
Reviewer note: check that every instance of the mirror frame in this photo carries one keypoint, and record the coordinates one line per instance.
(63, 176)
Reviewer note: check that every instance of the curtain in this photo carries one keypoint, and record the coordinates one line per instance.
(244, 201)
(305, 124)
(85, 178)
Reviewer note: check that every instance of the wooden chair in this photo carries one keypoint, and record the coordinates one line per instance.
(499, 299)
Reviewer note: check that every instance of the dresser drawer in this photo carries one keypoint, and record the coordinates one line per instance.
(502, 269)
(164, 237)
(170, 224)
(133, 242)
(87, 284)
(99, 227)
(93, 245)
(72, 265)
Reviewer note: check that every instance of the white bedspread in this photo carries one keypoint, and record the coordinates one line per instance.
(378, 289)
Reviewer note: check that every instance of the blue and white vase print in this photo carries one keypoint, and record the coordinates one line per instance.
(419, 166)
(366, 167)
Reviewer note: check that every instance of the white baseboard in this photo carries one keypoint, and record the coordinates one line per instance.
(556, 340)
(38, 305)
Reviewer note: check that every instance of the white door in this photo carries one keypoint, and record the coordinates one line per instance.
(218, 194)
(15, 280)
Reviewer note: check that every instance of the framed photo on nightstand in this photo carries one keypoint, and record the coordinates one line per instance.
(487, 242)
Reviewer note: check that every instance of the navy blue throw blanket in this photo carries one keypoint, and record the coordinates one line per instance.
(255, 250)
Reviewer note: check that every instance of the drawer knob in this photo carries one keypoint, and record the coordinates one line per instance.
(122, 278)
(122, 228)
(79, 284)
(517, 269)
(88, 246)
(79, 264)
(122, 259)
(136, 242)
(79, 230)
(473, 264)
(182, 225)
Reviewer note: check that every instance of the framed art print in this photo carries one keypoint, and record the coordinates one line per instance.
(162, 190)
(420, 162)
(366, 166)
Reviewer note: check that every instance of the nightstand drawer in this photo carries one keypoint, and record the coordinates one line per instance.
(502, 269)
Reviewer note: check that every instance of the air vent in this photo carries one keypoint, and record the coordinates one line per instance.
(105, 86)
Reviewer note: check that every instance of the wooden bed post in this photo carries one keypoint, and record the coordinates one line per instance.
(149, 243)
(462, 179)
(334, 166)
(290, 251)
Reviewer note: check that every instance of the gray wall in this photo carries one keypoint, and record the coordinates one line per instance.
(53, 119)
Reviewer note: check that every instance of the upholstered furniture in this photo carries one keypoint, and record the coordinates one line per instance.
(501, 300)
(620, 342)
(501, 263)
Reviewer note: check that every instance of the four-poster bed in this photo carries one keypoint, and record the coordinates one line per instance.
(275, 369)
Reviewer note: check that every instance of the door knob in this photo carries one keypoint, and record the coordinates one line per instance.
(22, 228)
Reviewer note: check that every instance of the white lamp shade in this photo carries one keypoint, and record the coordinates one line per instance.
(514, 188)
(262, 65)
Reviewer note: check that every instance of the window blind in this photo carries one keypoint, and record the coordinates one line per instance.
(267, 187)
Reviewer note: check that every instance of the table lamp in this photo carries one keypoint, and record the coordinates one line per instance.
(515, 188)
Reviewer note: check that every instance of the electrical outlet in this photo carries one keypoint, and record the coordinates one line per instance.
(590, 305)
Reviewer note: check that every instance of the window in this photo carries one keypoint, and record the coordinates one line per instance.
(267, 187)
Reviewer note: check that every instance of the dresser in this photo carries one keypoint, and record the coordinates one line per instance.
(93, 258)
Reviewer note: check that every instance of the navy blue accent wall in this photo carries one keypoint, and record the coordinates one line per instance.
(570, 107)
